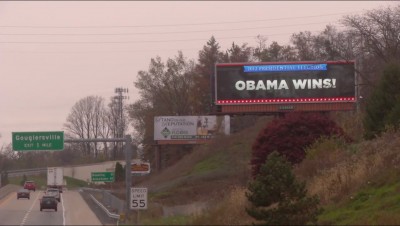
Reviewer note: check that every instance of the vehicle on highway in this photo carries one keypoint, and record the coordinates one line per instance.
(30, 185)
(23, 193)
(55, 178)
(48, 202)
(54, 192)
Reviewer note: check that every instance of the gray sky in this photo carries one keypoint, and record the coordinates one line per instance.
(54, 53)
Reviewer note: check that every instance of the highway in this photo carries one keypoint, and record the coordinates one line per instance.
(72, 210)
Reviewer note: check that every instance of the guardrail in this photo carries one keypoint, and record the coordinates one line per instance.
(21, 172)
(112, 215)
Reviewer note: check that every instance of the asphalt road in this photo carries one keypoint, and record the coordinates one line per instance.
(72, 210)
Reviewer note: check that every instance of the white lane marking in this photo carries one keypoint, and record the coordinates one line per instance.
(29, 211)
(62, 203)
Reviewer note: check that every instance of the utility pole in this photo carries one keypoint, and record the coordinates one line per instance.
(120, 122)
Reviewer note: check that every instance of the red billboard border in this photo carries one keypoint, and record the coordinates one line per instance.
(287, 100)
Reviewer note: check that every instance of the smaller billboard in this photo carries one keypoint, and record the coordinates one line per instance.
(140, 167)
(189, 128)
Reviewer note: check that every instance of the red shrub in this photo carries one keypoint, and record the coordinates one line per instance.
(290, 135)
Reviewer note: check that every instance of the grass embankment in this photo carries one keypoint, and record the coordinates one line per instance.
(356, 182)
(215, 174)
(41, 181)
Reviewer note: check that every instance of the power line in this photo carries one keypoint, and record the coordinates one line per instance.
(174, 25)
(141, 41)
(158, 33)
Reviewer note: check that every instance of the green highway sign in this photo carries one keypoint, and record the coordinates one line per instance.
(32, 141)
(103, 177)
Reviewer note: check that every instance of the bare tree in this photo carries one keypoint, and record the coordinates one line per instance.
(376, 39)
(378, 30)
(85, 121)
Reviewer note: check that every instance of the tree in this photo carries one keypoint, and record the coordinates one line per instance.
(165, 89)
(303, 43)
(378, 30)
(383, 106)
(85, 121)
(375, 35)
(274, 52)
(204, 80)
(277, 198)
(290, 135)
(238, 54)
(119, 172)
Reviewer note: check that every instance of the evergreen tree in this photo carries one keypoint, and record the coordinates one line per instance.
(383, 106)
(277, 198)
(119, 172)
(208, 57)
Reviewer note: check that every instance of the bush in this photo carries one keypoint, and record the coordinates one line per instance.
(277, 198)
(289, 136)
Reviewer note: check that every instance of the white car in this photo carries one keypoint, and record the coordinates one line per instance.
(54, 192)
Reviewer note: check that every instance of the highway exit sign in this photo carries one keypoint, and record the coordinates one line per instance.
(102, 176)
(33, 141)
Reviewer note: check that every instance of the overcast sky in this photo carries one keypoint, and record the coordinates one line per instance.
(54, 53)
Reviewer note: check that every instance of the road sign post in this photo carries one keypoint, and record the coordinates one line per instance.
(32, 141)
(102, 176)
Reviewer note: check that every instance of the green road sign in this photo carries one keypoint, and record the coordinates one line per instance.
(103, 177)
(32, 141)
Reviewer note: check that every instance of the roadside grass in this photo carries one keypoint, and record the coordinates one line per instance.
(229, 211)
(172, 220)
(369, 206)
(40, 180)
(73, 183)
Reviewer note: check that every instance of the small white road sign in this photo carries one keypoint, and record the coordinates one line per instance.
(138, 198)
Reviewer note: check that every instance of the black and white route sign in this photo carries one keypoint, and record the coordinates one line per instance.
(138, 198)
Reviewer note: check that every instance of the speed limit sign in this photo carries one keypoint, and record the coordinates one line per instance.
(138, 198)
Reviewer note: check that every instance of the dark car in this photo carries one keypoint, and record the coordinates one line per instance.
(23, 193)
(48, 202)
(54, 192)
(30, 185)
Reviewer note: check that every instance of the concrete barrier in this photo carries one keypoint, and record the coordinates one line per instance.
(9, 188)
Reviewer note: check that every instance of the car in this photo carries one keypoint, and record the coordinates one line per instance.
(48, 202)
(54, 192)
(30, 185)
(23, 193)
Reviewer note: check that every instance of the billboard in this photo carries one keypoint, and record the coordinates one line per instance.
(285, 82)
(189, 129)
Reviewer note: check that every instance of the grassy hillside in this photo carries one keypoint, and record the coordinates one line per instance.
(357, 183)
(208, 174)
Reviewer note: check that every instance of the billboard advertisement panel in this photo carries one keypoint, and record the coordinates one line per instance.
(285, 82)
(186, 128)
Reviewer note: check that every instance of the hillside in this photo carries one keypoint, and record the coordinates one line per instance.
(208, 173)
(352, 180)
